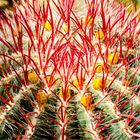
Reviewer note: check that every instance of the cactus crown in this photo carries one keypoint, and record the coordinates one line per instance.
(69, 70)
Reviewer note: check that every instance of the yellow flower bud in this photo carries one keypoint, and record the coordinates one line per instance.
(50, 80)
(86, 101)
(48, 26)
(65, 27)
(78, 84)
(87, 21)
(113, 58)
(97, 83)
(32, 77)
(61, 92)
(99, 68)
(99, 34)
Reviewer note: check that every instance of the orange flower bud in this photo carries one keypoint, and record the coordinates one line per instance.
(41, 97)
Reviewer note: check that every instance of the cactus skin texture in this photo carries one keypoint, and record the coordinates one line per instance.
(69, 74)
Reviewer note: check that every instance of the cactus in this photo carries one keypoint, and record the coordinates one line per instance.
(69, 70)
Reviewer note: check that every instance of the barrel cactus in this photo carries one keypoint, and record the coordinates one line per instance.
(69, 70)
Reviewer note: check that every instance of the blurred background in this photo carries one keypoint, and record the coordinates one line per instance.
(6, 5)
